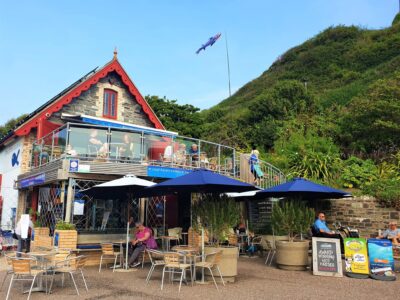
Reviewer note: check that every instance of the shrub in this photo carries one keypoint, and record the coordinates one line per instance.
(358, 173)
(61, 225)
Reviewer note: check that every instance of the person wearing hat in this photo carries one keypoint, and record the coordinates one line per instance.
(392, 233)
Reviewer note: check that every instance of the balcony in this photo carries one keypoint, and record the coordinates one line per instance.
(146, 147)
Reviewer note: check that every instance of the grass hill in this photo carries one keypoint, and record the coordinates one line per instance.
(333, 68)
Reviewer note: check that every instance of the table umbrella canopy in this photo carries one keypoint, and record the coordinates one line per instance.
(300, 187)
(199, 181)
(118, 188)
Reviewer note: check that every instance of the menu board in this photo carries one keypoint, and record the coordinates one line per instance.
(356, 256)
(326, 257)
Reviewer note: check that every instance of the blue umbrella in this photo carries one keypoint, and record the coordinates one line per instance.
(199, 181)
(301, 188)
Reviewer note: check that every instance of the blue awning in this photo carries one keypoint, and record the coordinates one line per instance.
(121, 125)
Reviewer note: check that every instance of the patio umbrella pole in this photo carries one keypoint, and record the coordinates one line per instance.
(127, 245)
(203, 257)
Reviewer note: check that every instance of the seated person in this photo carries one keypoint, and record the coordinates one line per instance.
(181, 155)
(320, 229)
(126, 150)
(194, 153)
(143, 239)
(102, 148)
(392, 233)
(168, 154)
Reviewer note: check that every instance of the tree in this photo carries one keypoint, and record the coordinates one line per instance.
(372, 121)
(185, 119)
(9, 125)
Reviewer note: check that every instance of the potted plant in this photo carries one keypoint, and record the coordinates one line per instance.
(295, 218)
(65, 235)
(218, 214)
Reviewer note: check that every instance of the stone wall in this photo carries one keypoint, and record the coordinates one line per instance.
(363, 213)
(90, 103)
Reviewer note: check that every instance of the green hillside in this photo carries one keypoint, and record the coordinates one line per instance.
(334, 67)
(328, 109)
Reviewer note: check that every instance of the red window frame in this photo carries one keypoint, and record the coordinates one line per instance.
(110, 102)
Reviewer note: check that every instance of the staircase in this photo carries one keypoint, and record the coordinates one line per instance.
(272, 175)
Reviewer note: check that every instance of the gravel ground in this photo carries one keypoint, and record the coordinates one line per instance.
(255, 281)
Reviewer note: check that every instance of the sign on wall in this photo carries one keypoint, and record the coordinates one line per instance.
(326, 257)
(165, 172)
(34, 180)
(73, 165)
(356, 256)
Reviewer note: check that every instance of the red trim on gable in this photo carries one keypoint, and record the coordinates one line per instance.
(114, 65)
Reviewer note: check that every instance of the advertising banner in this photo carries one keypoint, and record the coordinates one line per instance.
(356, 256)
(380, 256)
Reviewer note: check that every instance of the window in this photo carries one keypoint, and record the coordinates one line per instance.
(110, 104)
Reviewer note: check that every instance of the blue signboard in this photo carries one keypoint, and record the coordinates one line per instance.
(380, 254)
(34, 180)
(73, 165)
(165, 172)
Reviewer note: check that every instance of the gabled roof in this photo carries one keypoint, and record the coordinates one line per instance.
(75, 90)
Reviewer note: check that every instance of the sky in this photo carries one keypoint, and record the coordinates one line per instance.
(47, 45)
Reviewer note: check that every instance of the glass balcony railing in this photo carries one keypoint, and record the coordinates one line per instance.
(146, 147)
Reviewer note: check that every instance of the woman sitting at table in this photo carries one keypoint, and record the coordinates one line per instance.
(143, 239)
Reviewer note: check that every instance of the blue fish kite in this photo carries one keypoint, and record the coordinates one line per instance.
(210, 42)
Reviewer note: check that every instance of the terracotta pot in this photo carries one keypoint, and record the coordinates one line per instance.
(292, 255)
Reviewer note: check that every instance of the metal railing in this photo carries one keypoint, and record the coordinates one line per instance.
(108, 144)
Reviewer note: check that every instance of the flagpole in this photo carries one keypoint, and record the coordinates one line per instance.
(227, 60)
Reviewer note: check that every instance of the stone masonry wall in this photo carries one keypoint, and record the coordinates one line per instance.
(363, 213)
(90, 102)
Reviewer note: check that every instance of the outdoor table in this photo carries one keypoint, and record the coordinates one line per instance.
(42, 257)
(121, 250)
(166, 241)
(188, 252)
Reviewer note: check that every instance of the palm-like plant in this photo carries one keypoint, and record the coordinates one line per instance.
(217, 214)
(293, 217)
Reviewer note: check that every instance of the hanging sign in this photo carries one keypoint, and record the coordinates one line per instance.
(326, 257)
(356, 256)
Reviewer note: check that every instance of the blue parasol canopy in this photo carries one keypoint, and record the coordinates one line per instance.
(303, 188)
(199, 181)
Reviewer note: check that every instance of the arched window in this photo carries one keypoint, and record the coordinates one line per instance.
(110, 104)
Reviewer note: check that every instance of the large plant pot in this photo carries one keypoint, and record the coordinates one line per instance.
(292, 255)
(272, 239)
(228, 264)
(65, 239)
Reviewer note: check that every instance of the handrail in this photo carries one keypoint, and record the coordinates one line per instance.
(228, 161)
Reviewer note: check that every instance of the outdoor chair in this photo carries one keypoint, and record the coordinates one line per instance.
(212, 261)
(173, 265)
(176, 232)
(108, 253)
(157, 259)
(9, 270)
(22, 271)
(271, 251)
(70, 266)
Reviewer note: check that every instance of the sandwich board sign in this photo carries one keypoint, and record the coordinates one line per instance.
(327, 260)
(356, 257)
